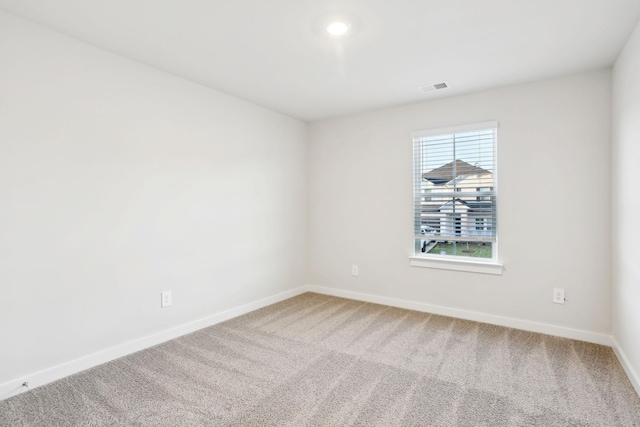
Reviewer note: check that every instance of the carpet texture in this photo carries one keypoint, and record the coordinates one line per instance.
(317, 360)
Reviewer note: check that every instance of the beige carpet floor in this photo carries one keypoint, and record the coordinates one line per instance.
(316, 360)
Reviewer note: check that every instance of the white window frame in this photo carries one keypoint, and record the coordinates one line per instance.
(457, 262)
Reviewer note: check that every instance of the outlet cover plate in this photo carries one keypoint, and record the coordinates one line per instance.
(558, 295)
(165, 299)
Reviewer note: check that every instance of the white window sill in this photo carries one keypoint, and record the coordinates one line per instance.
(457, 265)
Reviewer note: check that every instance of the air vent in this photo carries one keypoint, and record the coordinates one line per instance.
(434, 86)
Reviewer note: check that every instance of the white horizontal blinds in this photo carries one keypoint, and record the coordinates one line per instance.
(455, 184)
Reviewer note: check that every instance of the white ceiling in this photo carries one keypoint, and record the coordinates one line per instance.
(274, 53)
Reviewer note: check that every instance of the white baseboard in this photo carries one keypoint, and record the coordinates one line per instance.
(509, 322)
(54, 373)
(36, 379)
(628, 368)
(492, 319)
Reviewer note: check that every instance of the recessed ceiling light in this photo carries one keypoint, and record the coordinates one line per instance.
(337, 28)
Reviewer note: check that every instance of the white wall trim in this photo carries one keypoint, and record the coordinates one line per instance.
(526, 325)
(628, 368)
(36, 379)
(457, 265)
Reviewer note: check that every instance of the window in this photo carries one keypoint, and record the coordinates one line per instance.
(455, 192)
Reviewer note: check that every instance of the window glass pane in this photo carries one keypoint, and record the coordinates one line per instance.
(455, 194)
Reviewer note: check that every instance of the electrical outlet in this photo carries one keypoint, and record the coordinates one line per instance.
(165, 299)
(354, 270)
(558, 295)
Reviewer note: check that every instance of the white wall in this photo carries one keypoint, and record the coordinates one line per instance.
(554, 203)
(626, 202)
(118, 181)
